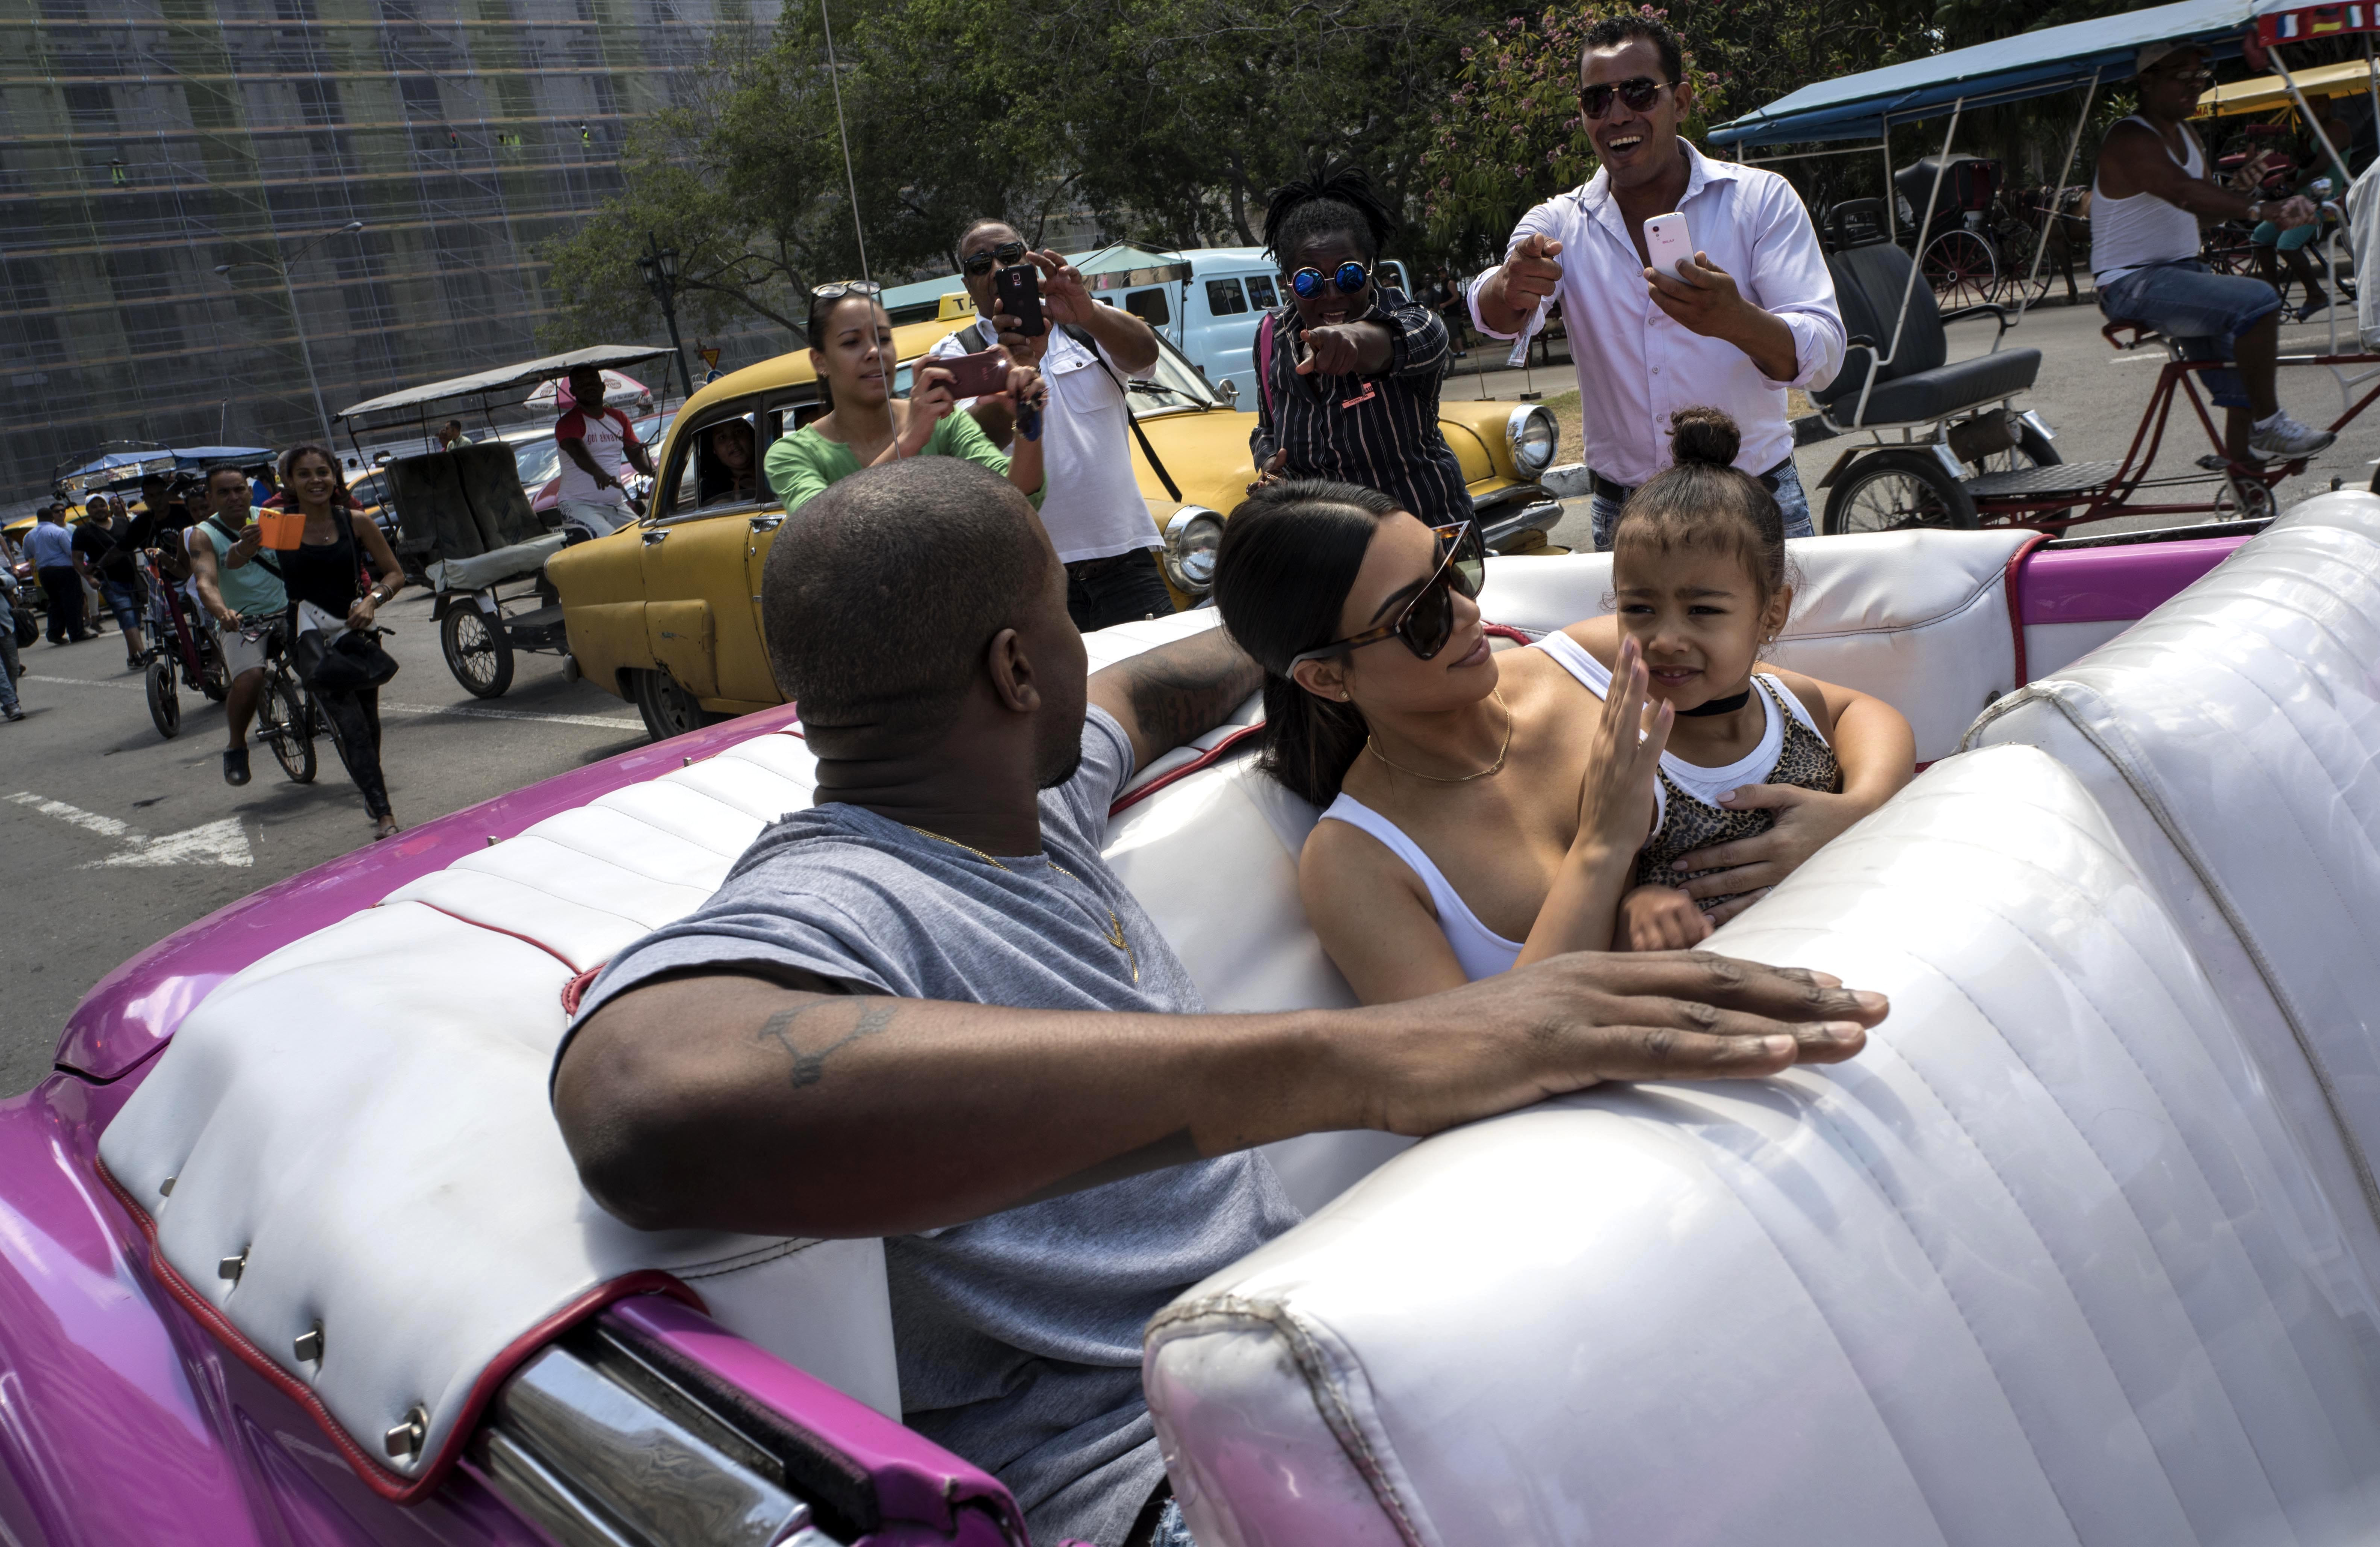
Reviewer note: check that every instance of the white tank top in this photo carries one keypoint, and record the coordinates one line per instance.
(1479, 950)
(2128, 233)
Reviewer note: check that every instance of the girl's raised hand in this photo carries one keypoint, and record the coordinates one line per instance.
(1615, 796)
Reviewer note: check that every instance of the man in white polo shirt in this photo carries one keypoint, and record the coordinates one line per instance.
(595, 442)
(1093, 510)
(1751, 313)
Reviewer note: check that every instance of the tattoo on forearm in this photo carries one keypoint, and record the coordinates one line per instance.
(811, 1068)
(1186, 690)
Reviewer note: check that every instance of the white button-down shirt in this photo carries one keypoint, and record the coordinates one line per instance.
(1091, 504)
(1635, 366)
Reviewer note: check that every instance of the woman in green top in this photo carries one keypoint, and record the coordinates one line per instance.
(866, 426)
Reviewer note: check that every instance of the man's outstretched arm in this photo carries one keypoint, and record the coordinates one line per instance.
(1176, 693)
(730, 1102)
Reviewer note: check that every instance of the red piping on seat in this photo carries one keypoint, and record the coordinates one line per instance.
(394, 1486)
(1205, 760)
(575, 989)
(495, 929)
(2016, 608)
(1506, 630)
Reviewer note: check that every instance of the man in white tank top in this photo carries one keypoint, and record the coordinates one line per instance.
(2147, 203)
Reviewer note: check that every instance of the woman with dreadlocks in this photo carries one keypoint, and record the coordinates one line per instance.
(1348, 371)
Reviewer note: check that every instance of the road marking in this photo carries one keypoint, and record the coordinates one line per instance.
(461, 711)
(218, 842)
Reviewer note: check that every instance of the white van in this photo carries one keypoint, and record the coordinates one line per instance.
(1205, 301)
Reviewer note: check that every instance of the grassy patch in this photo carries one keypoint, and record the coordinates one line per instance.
(1567, 414)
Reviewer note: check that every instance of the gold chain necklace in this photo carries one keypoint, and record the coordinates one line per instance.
(1495, 767)
(1114, 932)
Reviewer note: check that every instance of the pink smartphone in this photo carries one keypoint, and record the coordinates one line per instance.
(1667, 245)
(974, 375)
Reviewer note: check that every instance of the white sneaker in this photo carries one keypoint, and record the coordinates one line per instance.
(2282, 436)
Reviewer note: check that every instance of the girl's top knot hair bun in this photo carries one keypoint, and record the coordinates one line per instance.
(1704, 437)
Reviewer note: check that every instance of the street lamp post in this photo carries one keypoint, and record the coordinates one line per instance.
(296, 319)
(659, 266)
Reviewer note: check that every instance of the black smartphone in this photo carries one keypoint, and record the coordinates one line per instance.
(1017, 288)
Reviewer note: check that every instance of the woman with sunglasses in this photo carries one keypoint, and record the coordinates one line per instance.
(1348, 369)
(1483, 811)
(866, 426)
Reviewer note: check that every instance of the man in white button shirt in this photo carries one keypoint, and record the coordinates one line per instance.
(1751, 313)
(1092, 510)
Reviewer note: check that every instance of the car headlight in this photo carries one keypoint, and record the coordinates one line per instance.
(1191, 538)
(1533, 437)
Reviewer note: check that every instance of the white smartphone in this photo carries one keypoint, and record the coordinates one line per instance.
(1666, 243)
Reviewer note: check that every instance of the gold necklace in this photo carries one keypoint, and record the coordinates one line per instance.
(1495, 767)
(1115, 933)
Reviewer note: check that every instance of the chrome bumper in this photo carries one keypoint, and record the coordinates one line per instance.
(1536, 510)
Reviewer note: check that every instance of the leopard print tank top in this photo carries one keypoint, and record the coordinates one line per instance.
(1689, 823)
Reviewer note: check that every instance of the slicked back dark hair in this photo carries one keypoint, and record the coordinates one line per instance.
(1288, 559)
(1614, 31)
(882, 593)
(1336, 199)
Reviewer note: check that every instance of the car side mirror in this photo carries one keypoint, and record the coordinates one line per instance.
(1229, 392)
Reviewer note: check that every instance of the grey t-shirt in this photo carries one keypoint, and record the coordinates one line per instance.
(1018, 1335)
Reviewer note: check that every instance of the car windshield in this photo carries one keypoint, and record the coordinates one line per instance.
(1173, 384)
(537, 461)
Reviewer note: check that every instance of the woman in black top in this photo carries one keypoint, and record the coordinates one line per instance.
(1348, 369)
(327, 570)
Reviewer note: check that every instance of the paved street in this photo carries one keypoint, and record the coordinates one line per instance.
(112, 838)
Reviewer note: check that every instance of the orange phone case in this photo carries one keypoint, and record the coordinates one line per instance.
(282, 529)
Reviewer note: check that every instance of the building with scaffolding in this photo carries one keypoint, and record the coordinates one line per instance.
(215, 207)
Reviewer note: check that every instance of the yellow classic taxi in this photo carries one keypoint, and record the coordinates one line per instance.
(666, 613)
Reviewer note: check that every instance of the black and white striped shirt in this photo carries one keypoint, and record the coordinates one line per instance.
(1379, 431)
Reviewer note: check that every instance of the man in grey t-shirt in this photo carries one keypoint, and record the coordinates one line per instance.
(926, 1010)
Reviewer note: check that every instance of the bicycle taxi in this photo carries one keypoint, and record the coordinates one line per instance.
(1947, 443)
(464, 517)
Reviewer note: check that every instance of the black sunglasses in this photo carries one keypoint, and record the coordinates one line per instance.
(1426, 620)
(1349, 277)
(980, 263)
(1637, 93)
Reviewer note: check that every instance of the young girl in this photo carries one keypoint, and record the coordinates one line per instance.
(1485, 811)
(1699, 573)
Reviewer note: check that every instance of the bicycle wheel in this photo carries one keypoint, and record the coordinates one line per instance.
(478, 654)
(1960, 268)
(164, 702)
(2017, 285)
(285, 726)
(2225, 249)
(1890, 490)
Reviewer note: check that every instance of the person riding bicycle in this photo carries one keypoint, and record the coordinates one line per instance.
(239, 583)
(2307, 171)
(594, 440)
(2152, 191)
(324, 576)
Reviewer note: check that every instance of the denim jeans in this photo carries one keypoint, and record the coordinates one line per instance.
(1125, 589)
(1172, 1530)
(1792, 503)
(2202, 312)
(122, 599)
(10, 670)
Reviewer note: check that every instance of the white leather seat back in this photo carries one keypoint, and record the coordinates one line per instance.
(1919, 618)
(2041, 1265)
(2233, 739)
(361, 1117)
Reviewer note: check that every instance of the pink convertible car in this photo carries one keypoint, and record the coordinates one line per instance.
(2081, 1250)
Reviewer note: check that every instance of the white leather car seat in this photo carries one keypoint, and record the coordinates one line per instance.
(2233, 739)
(2042, 1265)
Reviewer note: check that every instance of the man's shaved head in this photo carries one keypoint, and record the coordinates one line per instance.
(884, 591)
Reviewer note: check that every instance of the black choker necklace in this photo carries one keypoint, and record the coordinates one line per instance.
(1720, 706)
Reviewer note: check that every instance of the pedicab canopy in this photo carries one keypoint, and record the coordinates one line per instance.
(529, 373)
(2009, 69)
(2268, 93)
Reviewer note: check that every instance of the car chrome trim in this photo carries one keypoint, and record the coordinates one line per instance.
(592, 1460)
(1516, 425)
(1176, 530)
(1541, 516)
